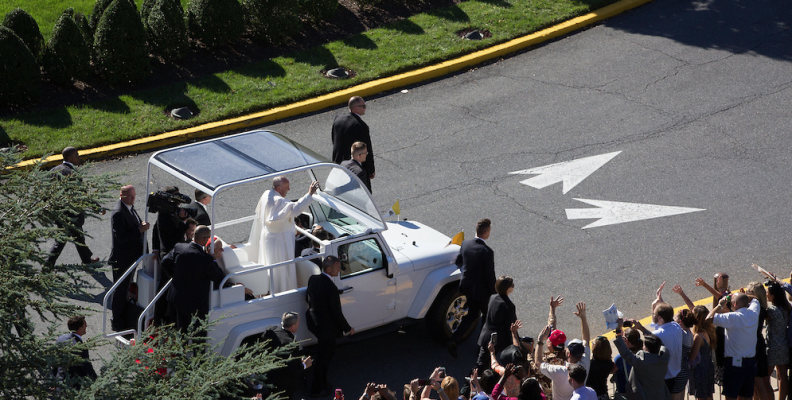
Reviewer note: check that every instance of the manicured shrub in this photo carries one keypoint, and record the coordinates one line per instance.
(84, 24)
(145, 9)
(21, 77)
(367, 3)
(318, 10)
(259, 19)
(167, 33)
(66, 55)
(215, 22)
(19, 21)
(120, 48)
(99, 8)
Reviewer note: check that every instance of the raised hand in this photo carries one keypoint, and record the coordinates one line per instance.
(581, 309)
(554, 303)
(516, 326)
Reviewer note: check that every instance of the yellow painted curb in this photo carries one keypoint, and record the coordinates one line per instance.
(341, 96)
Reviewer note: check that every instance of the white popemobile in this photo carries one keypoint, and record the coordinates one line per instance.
(393, 270)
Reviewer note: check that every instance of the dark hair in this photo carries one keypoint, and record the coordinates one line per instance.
(487, 380)
(779, 297)
(171, 189)
(482, 226)
(687, 317)
(652, 343)
(577, 373)
(601, 349)
(665, 311)
(68, 152)
(329, 261)
(200, 195)
(503, 284)
(634, 338)
(530, 389)
(75, 322)
(190, 221)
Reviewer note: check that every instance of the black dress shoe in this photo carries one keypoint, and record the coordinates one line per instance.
(452, 349)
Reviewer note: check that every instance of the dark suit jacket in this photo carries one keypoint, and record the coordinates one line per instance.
(85, 369)
(358, 170)
(324, 316)
(168, 230)
(349, 128)
(501, 313)
(285, 377)
(477, 263)
(63, 170)
(201, 216)
(192, 269)
(127, 241)
(647, 376)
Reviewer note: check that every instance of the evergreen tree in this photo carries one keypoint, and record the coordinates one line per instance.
(20, 77)
(120, 45)
(30, 204)
(66, 55)
(19, 21)
(215, 22)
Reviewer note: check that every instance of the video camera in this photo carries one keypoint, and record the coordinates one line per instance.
(161, 201)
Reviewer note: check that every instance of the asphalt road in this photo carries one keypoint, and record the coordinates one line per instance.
(696, 97)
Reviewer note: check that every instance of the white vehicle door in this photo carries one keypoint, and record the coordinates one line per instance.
(372, 297)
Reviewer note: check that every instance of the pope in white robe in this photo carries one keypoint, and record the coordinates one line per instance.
(273, 230)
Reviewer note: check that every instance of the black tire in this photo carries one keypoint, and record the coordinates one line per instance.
(446, 313)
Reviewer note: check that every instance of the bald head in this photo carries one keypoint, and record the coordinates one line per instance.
(357, 105)
(741, 300)
(202, 234)
(128, 195)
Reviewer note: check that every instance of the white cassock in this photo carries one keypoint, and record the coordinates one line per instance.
(274, 223)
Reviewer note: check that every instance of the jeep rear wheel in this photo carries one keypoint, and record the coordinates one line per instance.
(446, 314)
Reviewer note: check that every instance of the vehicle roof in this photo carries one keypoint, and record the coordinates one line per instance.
(210, 164)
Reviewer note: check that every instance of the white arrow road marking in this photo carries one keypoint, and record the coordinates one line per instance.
(569, 172)
(616, 212)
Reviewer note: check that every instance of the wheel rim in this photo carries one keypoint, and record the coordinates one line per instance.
(456, 310)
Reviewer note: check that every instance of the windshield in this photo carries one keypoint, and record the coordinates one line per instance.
(344, 187)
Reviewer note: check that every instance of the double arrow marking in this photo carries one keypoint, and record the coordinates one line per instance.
(571, 173)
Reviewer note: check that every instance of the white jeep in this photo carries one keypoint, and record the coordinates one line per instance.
(393, 270)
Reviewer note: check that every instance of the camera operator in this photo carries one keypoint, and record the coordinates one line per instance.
(170, 226)
(169, 229)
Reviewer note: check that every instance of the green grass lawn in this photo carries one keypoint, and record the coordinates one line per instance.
(415, 42)
(46, 12)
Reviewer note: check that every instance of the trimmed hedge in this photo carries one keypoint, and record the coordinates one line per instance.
(215, 22)
(84, 24)
(318, 10)
(21, 82)
(19, 21)
(120, 45)
(167, 33)
(99, 8)
(259, 19)
(66, 55)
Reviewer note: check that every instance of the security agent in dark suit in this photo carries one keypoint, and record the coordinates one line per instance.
(325, 320)
(78, 327)
(477, 263)
(71, 159)
(287, 378)
(349, 128)
(501, 314)
(192, 268)
(359, 153)
(128, 242)
(199, 205)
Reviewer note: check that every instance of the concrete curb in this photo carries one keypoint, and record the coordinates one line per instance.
(341, 96)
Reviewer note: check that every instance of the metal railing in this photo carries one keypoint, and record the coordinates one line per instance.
(264, 268)
(146, 310)
(112, 290)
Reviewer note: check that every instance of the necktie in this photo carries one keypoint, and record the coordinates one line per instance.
(137, 217)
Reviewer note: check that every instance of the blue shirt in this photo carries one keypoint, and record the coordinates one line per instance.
(621, 373)
(584, 393)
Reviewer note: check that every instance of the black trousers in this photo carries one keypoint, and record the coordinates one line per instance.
(79, 240)
(475, 308)
(120, 298)
(325, 350)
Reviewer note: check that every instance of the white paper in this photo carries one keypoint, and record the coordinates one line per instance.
(612, 315)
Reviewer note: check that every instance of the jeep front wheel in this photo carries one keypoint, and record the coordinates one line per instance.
(446, 314)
